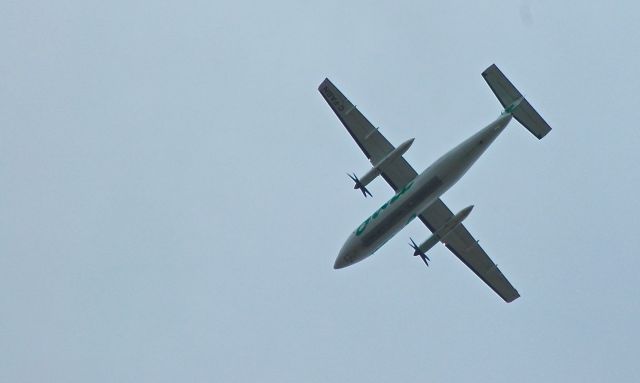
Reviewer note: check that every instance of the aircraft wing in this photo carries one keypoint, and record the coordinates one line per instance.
(398, 173)
(374, 145)
(461, 243)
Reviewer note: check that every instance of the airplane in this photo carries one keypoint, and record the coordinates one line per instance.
(418, 195)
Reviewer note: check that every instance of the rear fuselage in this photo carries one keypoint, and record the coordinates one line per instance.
(417, 195)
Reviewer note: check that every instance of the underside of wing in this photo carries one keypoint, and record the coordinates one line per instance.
(374, 145)
(461, 243)
(368, 138)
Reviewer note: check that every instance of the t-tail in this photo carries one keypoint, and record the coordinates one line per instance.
(514, 103)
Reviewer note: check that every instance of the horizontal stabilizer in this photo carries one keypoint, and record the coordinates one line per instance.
(514, 103)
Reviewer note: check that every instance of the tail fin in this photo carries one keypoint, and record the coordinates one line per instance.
(514, 103)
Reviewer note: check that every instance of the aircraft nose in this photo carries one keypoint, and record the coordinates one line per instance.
(341, 262)
(345, 256)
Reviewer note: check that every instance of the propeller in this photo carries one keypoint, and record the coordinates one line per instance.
(419, 252)
(359, 185)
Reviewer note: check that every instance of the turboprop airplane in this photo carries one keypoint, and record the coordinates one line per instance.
(418, 195)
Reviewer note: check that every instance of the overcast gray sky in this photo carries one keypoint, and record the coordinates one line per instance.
(173, 192)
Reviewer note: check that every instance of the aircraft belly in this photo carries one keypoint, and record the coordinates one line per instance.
(391, 221)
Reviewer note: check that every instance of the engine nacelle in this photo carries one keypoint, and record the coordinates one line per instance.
(440, 234)
(362, 182)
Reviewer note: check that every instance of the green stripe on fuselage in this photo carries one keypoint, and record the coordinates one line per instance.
(375, 215)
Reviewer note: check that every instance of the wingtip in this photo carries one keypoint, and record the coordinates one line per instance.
(490, 67)
(512, 298)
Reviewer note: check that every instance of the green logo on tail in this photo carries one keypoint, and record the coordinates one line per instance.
(509, 109)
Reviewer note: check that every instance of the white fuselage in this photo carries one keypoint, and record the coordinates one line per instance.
(417, 195)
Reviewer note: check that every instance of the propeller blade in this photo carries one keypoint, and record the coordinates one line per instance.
(414, 246)
(425, 261)
(419, 252)
(359, 185)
